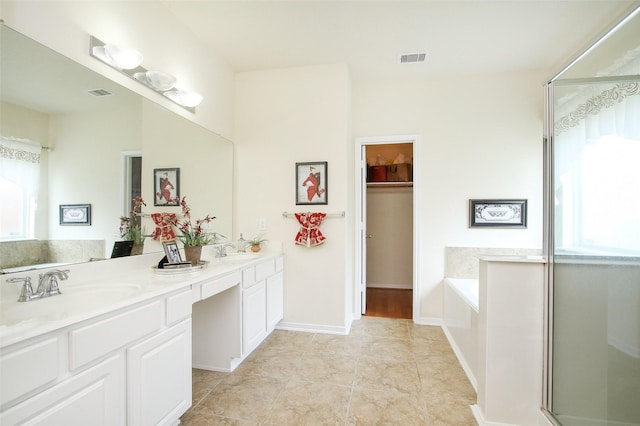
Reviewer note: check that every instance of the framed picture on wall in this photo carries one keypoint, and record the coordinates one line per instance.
(311, 183)
(166, 187)
(498, 213)
(75, 214)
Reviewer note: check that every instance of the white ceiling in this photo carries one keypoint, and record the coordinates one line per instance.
(460, 37)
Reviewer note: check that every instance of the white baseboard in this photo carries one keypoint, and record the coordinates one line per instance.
(313, 328)
(477, 413)
(543, 420)
(429, 321)
(461, 359)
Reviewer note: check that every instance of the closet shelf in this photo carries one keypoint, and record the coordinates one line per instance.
(389, 184)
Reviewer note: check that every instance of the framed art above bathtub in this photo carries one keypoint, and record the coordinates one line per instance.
(75, 214)
(498, 213)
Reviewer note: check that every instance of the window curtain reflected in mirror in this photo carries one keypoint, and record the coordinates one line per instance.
(19, 174)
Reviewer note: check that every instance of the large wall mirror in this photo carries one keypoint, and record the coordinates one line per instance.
(89, 126)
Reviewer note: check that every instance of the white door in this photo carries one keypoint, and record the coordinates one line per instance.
(362, 226)
(361, 235)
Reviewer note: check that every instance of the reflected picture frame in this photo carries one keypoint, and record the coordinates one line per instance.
(311, 183)
(166, 187)
(502, 213)
(75, 214)
(172, 251)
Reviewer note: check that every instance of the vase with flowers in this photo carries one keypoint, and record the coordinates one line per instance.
(193, 234)
(131, 226)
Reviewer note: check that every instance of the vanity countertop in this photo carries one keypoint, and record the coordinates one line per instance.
(122, 283)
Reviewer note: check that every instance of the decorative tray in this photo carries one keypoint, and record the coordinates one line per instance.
(180, 270)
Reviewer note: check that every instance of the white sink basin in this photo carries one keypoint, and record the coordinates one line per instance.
(240, 257)
(73, 300)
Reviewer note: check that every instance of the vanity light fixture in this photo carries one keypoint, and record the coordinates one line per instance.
(184, 97)
(158, 80)
(128, 61)
(122, 58)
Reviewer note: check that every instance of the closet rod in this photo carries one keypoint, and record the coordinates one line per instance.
(341, 214)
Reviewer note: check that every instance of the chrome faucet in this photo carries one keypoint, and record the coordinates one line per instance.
(26, 294)
(48, 282)
(47, 285)
(221, 249)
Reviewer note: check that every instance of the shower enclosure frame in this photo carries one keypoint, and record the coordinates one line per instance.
(548, 205)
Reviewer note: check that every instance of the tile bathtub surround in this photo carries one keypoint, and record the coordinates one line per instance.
(386, 371)
(36, 252)
(462, 262)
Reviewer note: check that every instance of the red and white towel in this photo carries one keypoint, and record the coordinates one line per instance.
(309, 235)
(164, 227)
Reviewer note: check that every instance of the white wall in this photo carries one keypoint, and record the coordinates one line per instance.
(205, 163)
(283, 117)
(90, 135)
(65, 26)
(390, 248)
(481, 137)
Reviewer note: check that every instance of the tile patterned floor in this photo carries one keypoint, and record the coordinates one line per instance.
(385, 372)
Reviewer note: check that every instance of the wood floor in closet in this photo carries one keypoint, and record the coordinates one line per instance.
(389, 303)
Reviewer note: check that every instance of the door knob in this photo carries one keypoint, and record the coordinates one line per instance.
(369, 235)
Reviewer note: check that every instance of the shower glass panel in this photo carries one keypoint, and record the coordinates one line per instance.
(595, 236)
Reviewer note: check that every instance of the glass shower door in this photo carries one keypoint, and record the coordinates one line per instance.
(595, 267)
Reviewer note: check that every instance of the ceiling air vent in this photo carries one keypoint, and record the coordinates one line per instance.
(412, 58)
(99, 92)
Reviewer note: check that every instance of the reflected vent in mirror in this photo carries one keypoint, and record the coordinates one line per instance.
(99, 92)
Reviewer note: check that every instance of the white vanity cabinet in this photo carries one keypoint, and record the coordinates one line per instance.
(254, 315)
(275, 300)
(77, 375)
(262, 302)
(235, 312)
(92, 397)
(159, 377)
(130, 364)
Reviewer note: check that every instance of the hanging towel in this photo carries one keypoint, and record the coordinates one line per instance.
(309, 235)
(164, 228)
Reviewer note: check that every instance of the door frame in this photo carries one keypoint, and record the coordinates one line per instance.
(360, 212)
(125, 179)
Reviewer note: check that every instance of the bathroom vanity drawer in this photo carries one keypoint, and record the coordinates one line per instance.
(248, 277)
(28, 368)
(258, 273)
(100, 338)
(265, 269)
(179, 306)
(219, 285)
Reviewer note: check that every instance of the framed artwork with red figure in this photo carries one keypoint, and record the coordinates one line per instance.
(311, 183)
(166, 187)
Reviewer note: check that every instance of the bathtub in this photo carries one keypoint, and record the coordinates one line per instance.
(460, 324)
